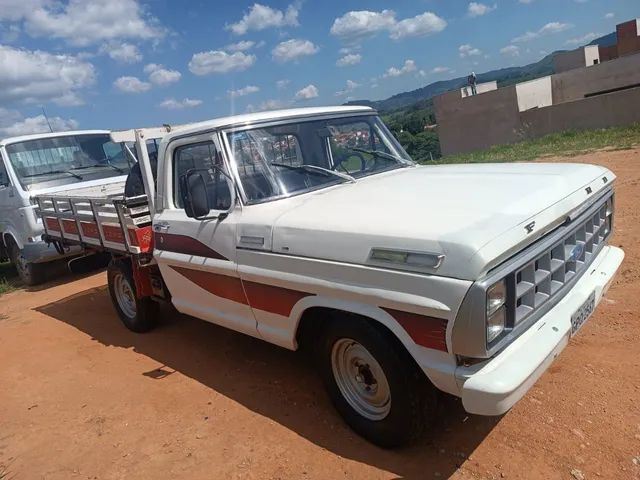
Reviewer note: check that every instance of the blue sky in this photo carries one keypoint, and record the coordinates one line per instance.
(130, 63)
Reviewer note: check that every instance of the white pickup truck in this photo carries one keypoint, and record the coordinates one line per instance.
(313, 228)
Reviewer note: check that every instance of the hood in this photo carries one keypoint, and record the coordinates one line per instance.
(98, 187)
(474, 215)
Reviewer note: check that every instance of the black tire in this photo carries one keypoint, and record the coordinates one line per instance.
(138, 314)
(412, 397)
(30, 273)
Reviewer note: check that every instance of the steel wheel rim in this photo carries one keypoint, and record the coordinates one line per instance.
(22, 267)
(360, 379)
(124, 295)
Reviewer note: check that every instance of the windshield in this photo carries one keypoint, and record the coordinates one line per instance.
(70, 159)
(301, 156)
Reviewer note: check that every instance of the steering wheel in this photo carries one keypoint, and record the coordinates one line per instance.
(347, 156)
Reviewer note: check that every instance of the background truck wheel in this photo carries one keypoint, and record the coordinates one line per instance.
(374, 384)
(30, 273)
(138, 314)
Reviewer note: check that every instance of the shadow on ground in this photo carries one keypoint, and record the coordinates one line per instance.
(272, 382)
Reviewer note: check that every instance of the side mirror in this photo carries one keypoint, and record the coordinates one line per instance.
(203, 190)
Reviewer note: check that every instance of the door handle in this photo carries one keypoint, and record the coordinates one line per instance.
(161, 227)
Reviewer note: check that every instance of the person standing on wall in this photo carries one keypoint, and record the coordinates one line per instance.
(472, 80)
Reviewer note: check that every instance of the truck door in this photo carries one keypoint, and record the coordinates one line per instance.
(197, 258)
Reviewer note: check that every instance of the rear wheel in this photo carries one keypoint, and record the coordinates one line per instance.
(30, 273)
(138, 314)
(374, 384)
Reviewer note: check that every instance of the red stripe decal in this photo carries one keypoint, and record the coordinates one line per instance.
(220, 285)
(429, 332)
(272, 299)
(260, 296)
(184, 244)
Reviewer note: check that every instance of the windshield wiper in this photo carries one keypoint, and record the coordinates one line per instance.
(315, 168)
(53, 172)
(379, 154)
(100, 165)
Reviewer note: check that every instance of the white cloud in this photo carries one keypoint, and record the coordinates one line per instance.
(526, 1)
(122, 52)
(241, 92)
(586, 38)
(349, 59)
(281, 84)
(159, 75)
(308, 92)
(476, 9)
(350, 87)
(361, 23)
(293, 49)
(18, 9)
(131, 85)
(272, 104)
(437, 70)
(467, 50)
(38, 124)
(173, 104)
(609, 15)
(217, 61)
(260, 17)
(418, 26)
(549, 28)
(240, 46)
(87, 22)
(408, 67)
(510, 51)
(37, 76)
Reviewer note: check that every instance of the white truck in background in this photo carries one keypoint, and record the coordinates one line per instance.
(312, 228)
(46, 164)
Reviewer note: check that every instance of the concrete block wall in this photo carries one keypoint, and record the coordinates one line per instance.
(609, 110)
(476, 122)
(575, 84)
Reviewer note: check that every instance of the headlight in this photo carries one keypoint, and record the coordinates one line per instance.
(495, 324)
(496, 296)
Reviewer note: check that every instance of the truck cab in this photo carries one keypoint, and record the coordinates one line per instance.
(48, 163)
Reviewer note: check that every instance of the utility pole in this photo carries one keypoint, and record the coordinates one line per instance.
(46, 118)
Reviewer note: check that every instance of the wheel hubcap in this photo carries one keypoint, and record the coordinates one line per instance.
(124, 295)
(360, 379)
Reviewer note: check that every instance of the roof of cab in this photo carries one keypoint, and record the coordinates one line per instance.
(39, 136)
(250, 118)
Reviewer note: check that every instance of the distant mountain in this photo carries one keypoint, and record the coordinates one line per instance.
(504, 76)
(606, 40)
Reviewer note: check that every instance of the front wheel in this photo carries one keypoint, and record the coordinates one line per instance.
(30, 273)
(374, 384)
(138, 314)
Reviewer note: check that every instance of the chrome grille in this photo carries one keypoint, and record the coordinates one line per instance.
(542, 278)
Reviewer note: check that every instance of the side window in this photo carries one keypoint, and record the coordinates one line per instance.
(202, 157)
(4, 176)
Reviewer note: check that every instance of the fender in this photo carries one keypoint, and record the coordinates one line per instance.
(439, 366)
(10, 233)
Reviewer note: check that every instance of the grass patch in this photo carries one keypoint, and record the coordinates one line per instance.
(564, 144)
(8, 279)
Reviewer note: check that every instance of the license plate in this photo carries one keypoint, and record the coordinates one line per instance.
(581, 315)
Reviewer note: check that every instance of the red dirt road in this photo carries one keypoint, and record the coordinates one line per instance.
(82, 397)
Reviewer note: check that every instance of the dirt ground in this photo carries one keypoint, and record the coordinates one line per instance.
(82, 397)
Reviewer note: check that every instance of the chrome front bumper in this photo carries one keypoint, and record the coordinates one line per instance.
(494, 386)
